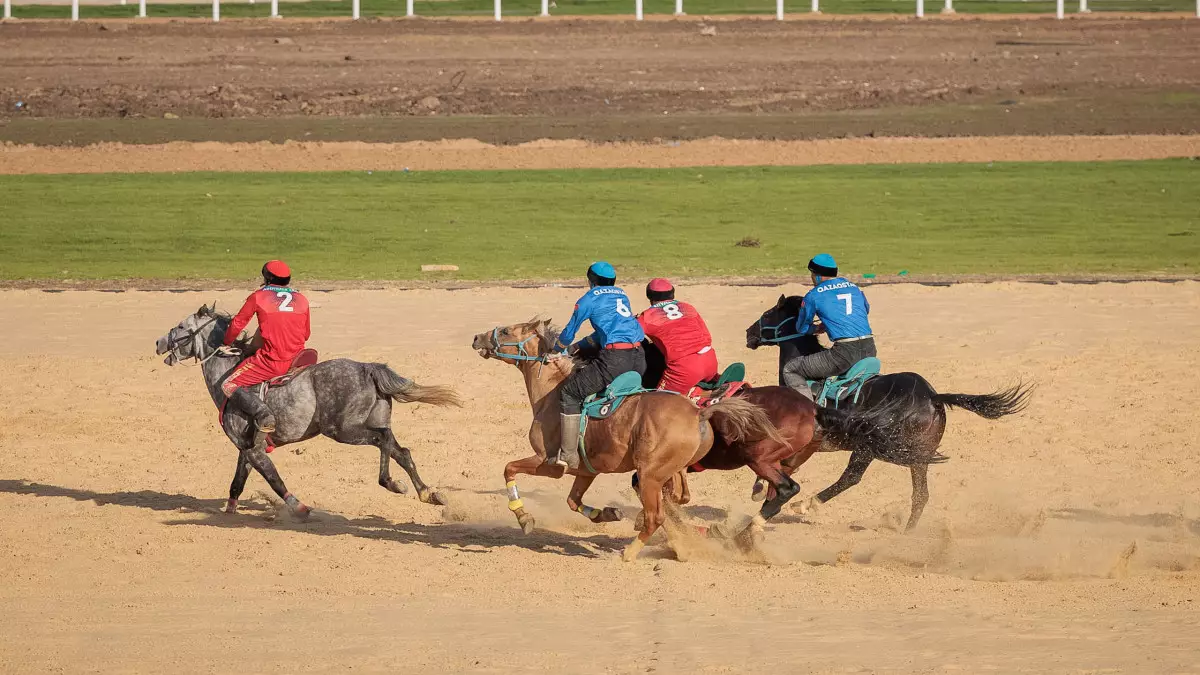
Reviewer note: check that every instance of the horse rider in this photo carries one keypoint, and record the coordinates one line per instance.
(618, 337)
(842, 309)
(283, 322)
(676, 329)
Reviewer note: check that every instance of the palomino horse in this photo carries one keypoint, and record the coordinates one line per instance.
(348, 401)
(658, 434)
(919, 411)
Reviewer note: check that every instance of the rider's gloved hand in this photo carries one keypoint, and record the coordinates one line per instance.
(226, 350)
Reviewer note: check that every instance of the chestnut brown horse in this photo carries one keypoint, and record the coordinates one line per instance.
(917, 410)
(658, 434)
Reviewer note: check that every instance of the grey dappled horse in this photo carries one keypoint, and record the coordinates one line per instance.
(348, 401)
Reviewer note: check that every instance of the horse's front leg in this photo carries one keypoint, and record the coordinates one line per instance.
(264, 466)
(532, 466)
(575, 501)
(240, 474)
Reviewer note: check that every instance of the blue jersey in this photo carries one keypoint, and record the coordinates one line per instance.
(607, 308)
(840, 305)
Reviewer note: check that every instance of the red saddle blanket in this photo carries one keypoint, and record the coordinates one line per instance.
(303, 360)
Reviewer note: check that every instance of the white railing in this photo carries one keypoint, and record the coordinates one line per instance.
(498, 10)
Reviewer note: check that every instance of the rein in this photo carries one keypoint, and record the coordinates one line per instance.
(776, 337)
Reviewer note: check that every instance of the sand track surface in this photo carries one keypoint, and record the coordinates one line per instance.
(466, 154)
(1065, 539)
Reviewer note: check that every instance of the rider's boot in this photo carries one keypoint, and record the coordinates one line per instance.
(264, 420)
(568, 447)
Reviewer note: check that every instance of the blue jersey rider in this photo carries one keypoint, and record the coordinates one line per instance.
(618, 337)
(842, 309)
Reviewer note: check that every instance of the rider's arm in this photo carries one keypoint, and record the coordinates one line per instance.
(577, 317)
(307, 326)
(808, 310)
(243, 317)
(589, 342)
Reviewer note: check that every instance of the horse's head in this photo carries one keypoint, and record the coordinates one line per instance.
(775, 325)
(529, 341)
(186, 340)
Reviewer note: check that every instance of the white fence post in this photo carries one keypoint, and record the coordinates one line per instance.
(497, 10)
(816, 7)
(408, 9)
(920, 8)
(1059, 9)
(948, 8)
(1083, 8)
(638, 11)
(274, 9)
(216, 10)
(74, 10)
(779, 10)
(124, 2)
(141, 9)
(8, 8)
(355, 8)
(545, 7)
(678, 7)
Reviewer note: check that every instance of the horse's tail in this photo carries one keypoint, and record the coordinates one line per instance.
(740, 420)
(404, 390)
(878, 430)
(990, 406)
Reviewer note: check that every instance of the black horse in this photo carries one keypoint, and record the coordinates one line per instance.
(920, 409)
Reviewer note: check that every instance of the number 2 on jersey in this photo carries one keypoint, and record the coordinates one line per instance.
(285, 305)
(849, 300)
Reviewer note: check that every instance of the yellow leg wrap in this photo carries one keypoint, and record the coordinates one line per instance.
(516, 505)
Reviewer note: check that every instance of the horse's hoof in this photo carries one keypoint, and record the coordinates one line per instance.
(759, 492)
(231, 506)
(398, 488)
(302, 512)
(527, 523)
(609, 515)
(431, 496)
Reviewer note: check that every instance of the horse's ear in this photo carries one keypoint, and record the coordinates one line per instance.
(782, 300)
(203, 311)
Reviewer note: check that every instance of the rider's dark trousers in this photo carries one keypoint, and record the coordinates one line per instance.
(593, 377)
(826, 363)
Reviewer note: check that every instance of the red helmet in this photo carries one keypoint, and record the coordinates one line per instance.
(659, 290)
(276, 271)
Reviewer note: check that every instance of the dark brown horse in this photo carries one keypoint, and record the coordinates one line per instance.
(917, 411)
(658, 434)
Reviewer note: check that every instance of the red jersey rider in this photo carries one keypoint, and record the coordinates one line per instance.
(677, 330)
(284, 325)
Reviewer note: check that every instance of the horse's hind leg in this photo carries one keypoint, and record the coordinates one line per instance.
(403, 457)
(264, 466)
(575, 501)
(385, 474)
(785, 488)
(859, 461)
(239, 483)
(920, 495)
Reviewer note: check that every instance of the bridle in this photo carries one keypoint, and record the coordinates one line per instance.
(174, 343)
(522, 353)
(776, 337)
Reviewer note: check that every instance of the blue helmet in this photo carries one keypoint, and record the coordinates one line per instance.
(824, 265)
(602, 274)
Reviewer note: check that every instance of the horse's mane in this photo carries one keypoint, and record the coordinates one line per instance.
(548, 335)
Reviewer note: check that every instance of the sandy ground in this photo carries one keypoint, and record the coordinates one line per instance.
(119, 158)
(1064, 540)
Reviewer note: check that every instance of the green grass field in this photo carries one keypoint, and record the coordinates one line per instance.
(388, 8)
(1062, 218)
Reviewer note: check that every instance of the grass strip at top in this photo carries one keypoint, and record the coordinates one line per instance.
(1060, 218)
(515, 8)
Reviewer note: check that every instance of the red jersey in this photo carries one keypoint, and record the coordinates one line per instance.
(282, 320)
(676, 329)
